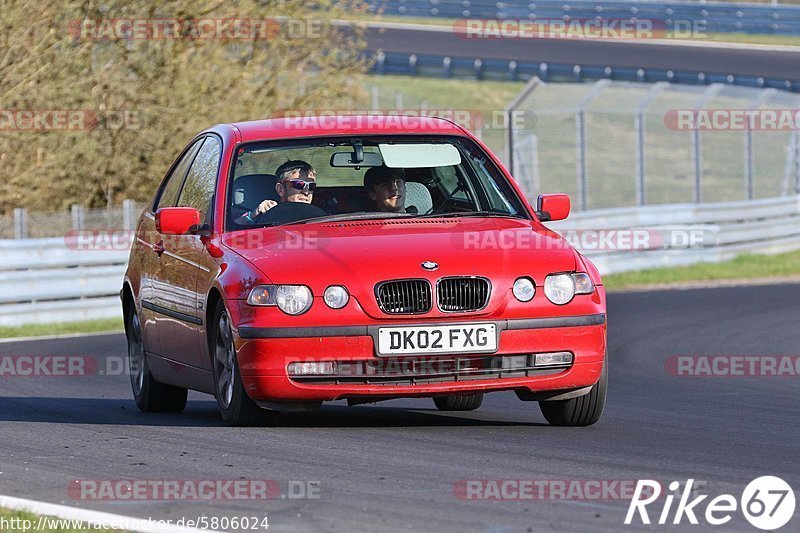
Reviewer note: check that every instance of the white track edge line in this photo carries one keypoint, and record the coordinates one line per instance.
(94, 517)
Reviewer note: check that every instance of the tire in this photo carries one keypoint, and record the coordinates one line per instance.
(581, 411)
(150, 395)
(235, 406)
(458, 403)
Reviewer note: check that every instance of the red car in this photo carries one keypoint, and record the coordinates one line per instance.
(287, 262)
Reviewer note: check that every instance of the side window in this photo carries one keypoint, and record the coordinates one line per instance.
(169, 193)
(198, 190)
(449, 179)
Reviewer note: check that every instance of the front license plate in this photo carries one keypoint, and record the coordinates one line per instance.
(455, 338)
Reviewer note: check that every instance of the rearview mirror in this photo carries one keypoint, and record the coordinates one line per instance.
(345, 159)
(177, 220)
(550, 207)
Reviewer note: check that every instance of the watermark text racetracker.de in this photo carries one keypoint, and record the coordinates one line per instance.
(192, 489)
(733, 366)
(176, 28)
(732, 119)
(475, 120)
(579, 28)
(68, 120)
(44, 366)
(545, 489)
(594, 239)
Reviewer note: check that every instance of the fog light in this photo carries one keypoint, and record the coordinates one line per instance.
(336, 296)
(312, 369)
(553, 359)
(524, 289)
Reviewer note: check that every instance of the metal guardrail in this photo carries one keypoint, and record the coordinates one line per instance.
(722, 17)
(47, 281)
(441, 66)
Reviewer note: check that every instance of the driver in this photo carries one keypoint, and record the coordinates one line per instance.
(296, 181)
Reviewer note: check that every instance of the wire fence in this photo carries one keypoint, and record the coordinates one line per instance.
(618, 144)
(25, 224)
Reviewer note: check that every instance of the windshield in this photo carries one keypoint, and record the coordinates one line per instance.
(285, 183)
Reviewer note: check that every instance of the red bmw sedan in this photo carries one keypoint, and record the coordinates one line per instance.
(287, 262)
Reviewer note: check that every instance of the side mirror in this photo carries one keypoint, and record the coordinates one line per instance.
(551, 207)
(177, 220)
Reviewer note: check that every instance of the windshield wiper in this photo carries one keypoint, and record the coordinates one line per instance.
(458, 214)
(346, 216)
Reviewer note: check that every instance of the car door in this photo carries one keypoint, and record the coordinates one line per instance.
(186, 263)
(151, 241)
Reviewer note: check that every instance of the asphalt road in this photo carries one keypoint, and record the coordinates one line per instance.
(393, 466)
(615, 53)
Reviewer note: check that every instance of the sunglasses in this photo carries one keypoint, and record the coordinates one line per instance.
(302, 185)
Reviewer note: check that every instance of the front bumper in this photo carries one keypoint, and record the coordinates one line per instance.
(265, 353)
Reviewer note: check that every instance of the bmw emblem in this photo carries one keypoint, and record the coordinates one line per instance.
(430, 265)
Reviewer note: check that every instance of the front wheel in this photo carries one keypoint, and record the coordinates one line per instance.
(235, 406)
(458, 403)
(581, 411)
(150, 395)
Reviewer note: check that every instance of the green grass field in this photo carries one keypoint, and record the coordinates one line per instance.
(38, 330)
(743, 267)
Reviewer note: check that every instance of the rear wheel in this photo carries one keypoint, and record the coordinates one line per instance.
(458, 403)
(235, 406)
(581, 411)
(150, 395)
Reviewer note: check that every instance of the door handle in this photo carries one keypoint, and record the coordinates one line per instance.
(158, 248)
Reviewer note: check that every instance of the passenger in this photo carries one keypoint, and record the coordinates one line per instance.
(387, 188)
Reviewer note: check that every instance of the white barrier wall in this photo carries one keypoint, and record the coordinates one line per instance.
(58, 280)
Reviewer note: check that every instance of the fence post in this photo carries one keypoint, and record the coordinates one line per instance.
(20, 223)
(639, 130)
(797, 163)
(375, 97)
(129, 215)
(77, 217)
(748, 162)
(583, 180)
(398, 101)
(697, 161)
(697, 148)
(510, 109)
(580, 126)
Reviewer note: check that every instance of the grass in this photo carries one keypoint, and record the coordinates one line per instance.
(38, 330)
(476, 105)
(746, 266)
(28, 522)
(743, 38)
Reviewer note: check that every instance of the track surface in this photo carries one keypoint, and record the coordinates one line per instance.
(737, 61)
(393, 465)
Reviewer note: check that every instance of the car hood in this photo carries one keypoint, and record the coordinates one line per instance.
(359, 254)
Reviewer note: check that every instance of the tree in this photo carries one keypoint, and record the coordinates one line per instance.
(132, 94)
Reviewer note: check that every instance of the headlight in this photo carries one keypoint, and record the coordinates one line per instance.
(336, 296)
(559, 288)
(524, 289)
(291, 299)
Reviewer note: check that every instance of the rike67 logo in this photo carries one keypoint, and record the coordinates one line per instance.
(767, 503)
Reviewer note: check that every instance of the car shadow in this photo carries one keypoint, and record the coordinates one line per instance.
(100, 411)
